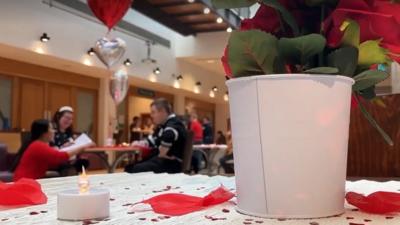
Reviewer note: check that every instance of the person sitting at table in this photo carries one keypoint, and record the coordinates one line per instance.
(36, 156)
(167, 142)
(199, 156)
(64, 137)
(135, 128)
(148, 127)
(226, 161)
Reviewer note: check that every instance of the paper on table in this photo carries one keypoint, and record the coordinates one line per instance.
(81, 141)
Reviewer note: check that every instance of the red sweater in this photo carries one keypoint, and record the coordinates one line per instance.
(37, 159)
(197, 129)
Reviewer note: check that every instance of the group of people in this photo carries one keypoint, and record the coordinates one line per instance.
(43, 150)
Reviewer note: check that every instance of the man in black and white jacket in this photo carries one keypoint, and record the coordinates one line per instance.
(167, 142)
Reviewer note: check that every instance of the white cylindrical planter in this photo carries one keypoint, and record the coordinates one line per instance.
(290, 136)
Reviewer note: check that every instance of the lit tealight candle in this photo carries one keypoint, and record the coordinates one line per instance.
(84, 203)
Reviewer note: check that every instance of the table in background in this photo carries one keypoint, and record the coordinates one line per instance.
(103, 152)
(130, 188)
(210, 151)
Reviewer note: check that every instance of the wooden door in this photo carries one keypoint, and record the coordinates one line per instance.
(57, 96)
(32, 102)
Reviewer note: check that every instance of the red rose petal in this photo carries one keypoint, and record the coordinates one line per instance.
(259, 221)
(154, 220)
(367, 220)
(43, 211)
(281, 219)
(356, 224)
(225, 210)
(142, 218)
(112, 199)
(349, 218)
(314, 223)
(389, 217)
(33, 213)
(246, 222)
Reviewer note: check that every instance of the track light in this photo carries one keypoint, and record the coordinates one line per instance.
(90, 52)
(215, 89)
(179, 78)
(206, 10)
(157, 71)
(198, 83)
(229, 29)
(220, 20)
(127, 62)
(44, 38)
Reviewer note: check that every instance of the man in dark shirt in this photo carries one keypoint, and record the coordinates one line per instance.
(167, 142)
(208, 136)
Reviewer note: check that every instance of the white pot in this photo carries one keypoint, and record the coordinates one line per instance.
(290, 136)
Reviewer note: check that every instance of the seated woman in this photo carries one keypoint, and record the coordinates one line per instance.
(64, 136)
(36, 156)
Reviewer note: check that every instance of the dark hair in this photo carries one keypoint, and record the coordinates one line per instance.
(162, 103)
(56, 120)
(38, 128)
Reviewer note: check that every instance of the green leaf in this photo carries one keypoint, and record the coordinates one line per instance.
(286, 15)
(323, 70)
(298, 50)
(368, 79)
(372, 121)
(368, 93)
(228, 4)
(252, 53)
(345, 59)
(372, 53)
(351, 34)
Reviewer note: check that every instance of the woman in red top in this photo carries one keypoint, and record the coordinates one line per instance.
(36, 157)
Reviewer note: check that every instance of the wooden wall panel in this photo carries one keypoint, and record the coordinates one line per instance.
(369, 155)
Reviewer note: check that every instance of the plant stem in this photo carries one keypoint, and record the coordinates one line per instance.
(321, 31)
(372, 121)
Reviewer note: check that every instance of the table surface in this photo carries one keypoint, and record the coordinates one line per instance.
(131, 188)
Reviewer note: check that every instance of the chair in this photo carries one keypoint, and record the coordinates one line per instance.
(187, 153)
(5, 175)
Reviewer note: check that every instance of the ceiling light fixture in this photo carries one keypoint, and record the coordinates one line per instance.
(220, 20)
(44, 38)
(91, 52)
(212, 94)
(229, 29)
(179, 78)
(191, 1)
(215, 89)
(206, 10)
(157, 71)
(127, 62)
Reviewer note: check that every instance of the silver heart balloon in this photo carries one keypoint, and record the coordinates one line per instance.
(119, 85)
(110, 51)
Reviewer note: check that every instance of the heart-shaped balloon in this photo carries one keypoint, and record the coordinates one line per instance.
(110, 51)
(119, 85)
(109, 11)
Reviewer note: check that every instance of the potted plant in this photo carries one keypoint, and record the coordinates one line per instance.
(296, 67)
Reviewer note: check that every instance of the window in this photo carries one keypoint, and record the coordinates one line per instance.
(5, 103)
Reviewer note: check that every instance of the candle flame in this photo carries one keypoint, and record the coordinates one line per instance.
(83, 182)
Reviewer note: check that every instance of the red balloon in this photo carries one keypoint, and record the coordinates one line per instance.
(109, 11)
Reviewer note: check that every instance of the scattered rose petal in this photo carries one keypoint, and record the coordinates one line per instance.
(367, 220)
(281, 219)
(112, 199)
(43, 211)
(249, 219)
(349, 218)
(4, 219)
(154, 220)
(87, 222)
(389, 217)
(259, 221)
(130, 212)
(356, 224)
(354, 210)
(33, 213)
(225, 210)
(142, 218)
(127, 204)
(314, 223)
(246, 222)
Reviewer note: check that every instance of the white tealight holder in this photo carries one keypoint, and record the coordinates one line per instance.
(73, 205)
(84, 203)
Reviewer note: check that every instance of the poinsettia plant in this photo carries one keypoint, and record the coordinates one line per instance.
(354, 38)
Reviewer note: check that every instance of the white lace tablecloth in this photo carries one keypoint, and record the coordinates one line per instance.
(129, 188)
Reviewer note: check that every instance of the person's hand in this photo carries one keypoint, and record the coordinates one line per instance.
(67, 144)
(163, 153)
